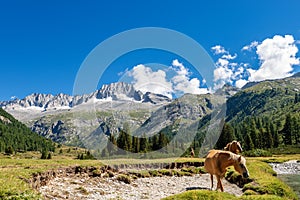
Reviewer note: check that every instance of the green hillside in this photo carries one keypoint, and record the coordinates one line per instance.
(273, 99)
(265, 115)
(16, 137)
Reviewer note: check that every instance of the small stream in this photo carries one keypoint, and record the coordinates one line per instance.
(289, 172)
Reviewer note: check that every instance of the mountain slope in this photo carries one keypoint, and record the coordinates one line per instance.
(15, 136)
(114, 106)
(272, 98)
(67, 119)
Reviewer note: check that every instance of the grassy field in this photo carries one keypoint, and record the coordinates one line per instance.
(265, 184)
(14, 170)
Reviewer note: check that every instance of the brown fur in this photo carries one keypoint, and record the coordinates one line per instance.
(234, 147)
(217, 161)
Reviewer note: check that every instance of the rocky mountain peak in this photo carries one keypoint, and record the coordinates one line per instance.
(119, 91)
(227, 90)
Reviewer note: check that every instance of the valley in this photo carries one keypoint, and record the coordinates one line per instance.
(118, 125)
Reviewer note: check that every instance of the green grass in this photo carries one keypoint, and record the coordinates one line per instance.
(15, 169)
(266, 182)
(201, 195)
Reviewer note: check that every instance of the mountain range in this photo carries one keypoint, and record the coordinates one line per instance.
(72, 119)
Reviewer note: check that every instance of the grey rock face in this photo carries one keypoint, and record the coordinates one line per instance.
(155, 98)
(116, 91)
(54, 131)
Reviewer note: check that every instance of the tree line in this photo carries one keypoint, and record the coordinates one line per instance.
(262, 132)
(253, 133)
(16, 137)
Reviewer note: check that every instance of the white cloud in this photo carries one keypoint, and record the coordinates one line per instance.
(13, 97)
(277, 56)
(182, 82)
(182, 70)
(147, 80)
(222, 72)
(240, 83)
(226, 71)
(250, 46)
(178, 82)
(229, 56)
(218, 49)
(225, 68)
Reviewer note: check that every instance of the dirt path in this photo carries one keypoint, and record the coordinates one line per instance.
(78, 187)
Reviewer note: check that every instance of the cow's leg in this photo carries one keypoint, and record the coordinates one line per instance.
(220, 183)
(212, 181)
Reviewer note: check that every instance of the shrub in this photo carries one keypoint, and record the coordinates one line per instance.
(166, 172)
(257, 153)
(154, 173)
(124, 178)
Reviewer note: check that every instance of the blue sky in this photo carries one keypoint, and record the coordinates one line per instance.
(43, 43)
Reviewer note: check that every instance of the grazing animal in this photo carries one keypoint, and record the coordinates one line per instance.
(217, 161)
(234, 147)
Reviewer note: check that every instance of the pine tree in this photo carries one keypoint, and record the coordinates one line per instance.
(162, 140)
(267, 139)
(254, 134)
(49, 156)
(275, 135)
(121, 141)
(248, 144)
(155, 143)
(9, 150)
(295, 129)
(135, 144)
(144, 144)
(260, 138)
(44, 154)
(226, 136)
(287, 130)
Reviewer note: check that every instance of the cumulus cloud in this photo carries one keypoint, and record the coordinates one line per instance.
(226, 70)
(277, 56)
(240, 83)
(173, 81)
(145, 80)
(223, 73)
(229, 56)
(250, 46)
(182, 82)
(218, 49)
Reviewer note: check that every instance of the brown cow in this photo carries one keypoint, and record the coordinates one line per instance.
(217, 161)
